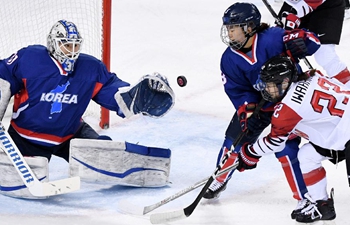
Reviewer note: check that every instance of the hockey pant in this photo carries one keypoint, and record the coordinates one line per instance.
(287, 157)
(310, 158)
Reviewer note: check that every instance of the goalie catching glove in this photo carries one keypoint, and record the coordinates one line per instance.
(247, 158)
(151, 96)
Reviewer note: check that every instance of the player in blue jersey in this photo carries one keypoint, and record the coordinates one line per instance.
(250, 44)
(52, 86)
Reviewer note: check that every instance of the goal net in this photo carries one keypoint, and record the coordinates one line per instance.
(26, 23)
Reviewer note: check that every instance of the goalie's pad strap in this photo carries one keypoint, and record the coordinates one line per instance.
(147, 151)
(119, 163)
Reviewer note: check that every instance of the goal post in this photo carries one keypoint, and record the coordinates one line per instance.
(26, 23)
(106, 52)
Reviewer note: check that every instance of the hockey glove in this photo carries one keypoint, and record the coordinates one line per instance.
(244, 112)
(151, 96)
(290, 21)
(294, 42)
(247, 159)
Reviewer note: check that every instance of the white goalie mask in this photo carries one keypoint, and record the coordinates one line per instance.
(64, 44)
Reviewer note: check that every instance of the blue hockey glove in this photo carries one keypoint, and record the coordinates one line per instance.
(151, 96)
(294, 42)
(247, 159)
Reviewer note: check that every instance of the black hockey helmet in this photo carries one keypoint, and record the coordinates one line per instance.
(243, 15)
(276, 75)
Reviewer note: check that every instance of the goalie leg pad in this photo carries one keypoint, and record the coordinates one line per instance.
(119, 163)
(11, 183)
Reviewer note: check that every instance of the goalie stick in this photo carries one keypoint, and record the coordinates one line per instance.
(152, 207)
(186, 212)
(280, 24)
(35, 187)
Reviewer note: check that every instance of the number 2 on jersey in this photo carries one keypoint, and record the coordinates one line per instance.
(331, 99)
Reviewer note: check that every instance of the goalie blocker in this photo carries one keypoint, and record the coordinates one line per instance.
(120, 163)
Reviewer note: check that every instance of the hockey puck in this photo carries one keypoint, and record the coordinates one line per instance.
(181, 81)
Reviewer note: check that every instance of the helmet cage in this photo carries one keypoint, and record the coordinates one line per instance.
(67, 48)
(234, 44)
(275, 92)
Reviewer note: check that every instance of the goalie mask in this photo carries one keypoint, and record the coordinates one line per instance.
(276, 76)
(64, 43)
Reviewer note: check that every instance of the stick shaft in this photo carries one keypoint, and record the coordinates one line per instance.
(152, 207)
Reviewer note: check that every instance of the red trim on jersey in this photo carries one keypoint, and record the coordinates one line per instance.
(97, 88)
(40, 136)
(314, 176)
(252, 60)
(20, 97)
(288, 171)
(283, 121)
(314, 3)
(59, 66)
(343, 76)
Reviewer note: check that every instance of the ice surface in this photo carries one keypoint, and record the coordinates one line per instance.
(177, 38)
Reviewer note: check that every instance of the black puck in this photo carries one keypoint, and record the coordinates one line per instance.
(181, 81)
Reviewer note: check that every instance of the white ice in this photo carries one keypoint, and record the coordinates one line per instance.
(178, 38)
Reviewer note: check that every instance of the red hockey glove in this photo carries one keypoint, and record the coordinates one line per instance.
(247, 159)
(244, 112)
(294, 42)
(290, 21)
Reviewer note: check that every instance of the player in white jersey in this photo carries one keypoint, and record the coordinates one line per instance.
(325, 18)
(311, 106)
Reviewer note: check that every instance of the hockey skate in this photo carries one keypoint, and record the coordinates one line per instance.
(319, 210)
(215, 189)
(302, 204)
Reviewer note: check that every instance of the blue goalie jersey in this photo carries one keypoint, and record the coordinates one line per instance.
(49, 102)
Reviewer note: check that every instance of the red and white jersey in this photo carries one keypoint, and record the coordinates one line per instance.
(304, 7)
(316, 109)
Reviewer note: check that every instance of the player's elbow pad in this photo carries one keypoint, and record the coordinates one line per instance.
(151, 96)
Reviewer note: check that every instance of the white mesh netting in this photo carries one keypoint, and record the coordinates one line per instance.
(26, 22)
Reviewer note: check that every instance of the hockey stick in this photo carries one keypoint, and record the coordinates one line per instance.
(152, 207)
(280, 24)
(186, 212)
(35, 187)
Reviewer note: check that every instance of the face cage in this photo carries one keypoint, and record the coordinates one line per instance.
(235, 45)
(280, 90)
(71, 54)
